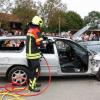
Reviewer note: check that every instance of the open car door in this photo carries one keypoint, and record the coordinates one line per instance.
(72, 57)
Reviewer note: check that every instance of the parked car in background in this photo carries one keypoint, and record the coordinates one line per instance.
(64, 56)
(91, 45)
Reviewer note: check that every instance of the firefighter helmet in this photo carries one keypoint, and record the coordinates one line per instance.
(37, 21)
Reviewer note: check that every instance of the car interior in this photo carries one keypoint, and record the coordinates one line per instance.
(73, 58)
(47, 48)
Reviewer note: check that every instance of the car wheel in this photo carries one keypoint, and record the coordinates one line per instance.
(18, 75)
(98, 75)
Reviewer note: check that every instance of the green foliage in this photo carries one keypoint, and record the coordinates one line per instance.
(53, 13)
(73, 20)
(93, 15)
(52, 10)
(57, 21)
(24, 9)
(5, 25)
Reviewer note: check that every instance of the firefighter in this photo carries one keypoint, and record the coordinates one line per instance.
(33, 55)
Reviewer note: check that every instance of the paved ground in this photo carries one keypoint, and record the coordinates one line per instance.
(69, 88)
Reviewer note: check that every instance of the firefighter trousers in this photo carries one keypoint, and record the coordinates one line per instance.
(34, 68)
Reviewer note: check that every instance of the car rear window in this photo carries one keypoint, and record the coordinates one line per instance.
(11, 45)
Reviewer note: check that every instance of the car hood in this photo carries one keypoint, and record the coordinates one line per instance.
(78, 34)
(97, 56)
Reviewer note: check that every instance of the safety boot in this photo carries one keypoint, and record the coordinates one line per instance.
(35, 89)
(32, 85)
(38, 85)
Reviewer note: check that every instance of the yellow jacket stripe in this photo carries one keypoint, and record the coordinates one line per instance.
(31, 57)
(36, 54)
(29, 46)
(29, 34)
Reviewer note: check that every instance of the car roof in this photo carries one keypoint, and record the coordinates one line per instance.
(90, 43)
(12, 37)
(24, 37)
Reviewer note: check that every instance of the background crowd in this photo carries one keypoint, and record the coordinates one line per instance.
(91, 36)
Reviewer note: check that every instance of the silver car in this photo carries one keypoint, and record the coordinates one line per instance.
(64, 56)
(91, 45)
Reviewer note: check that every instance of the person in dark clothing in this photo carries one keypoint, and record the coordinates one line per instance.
(33, 54)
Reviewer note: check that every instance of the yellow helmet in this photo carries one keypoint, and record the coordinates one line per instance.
(37, 21)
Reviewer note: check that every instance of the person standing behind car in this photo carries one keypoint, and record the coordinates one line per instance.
(33, 55)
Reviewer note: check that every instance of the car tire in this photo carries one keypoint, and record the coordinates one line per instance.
(18, 74)
(98, 75)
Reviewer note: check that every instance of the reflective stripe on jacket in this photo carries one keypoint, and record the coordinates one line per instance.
(32, 51)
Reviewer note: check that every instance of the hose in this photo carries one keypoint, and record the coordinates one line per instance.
(15, 97)
(18, 90)
(44, 89)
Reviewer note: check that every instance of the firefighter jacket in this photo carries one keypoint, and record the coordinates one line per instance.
(34, 39)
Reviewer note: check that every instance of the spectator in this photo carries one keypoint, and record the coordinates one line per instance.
(91, 37)
(85, 37)
(95, 37)
(8, 43)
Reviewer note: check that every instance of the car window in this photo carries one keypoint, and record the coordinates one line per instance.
(78, 49)
(64, 44)
(48, 48)
(12, 45)
(60, 44)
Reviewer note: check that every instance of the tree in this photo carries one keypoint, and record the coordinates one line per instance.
(73, 20)
(5, 6)
(57, 22)
(93, 15)
(50, 11)
(24, 9)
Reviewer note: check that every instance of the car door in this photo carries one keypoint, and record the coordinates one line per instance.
(9, 49)
(50, 55)
(79, 52)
